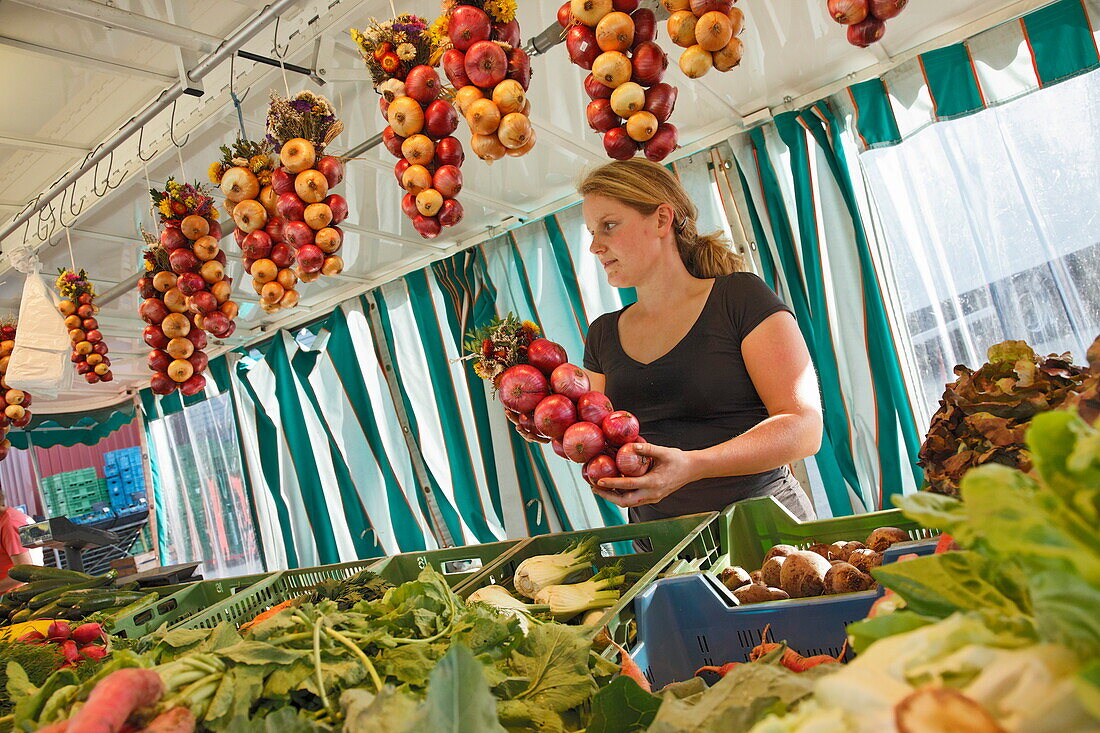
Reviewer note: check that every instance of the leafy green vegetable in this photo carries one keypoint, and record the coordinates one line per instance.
(458, 699)
(863, 633)
(622, 707)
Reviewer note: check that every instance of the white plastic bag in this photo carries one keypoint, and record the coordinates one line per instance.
(40, 361)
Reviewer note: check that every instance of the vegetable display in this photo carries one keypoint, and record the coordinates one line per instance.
(421, 123)
(299, 128)
(787, 572)
(185, 290)
(983, 415)
(490, 74)
(14, 403)
(416, 659)
(549, 400)
(866, 19)
(631, 105)
(244, 173)
(708, 31)
(78, 306)
(55, 593)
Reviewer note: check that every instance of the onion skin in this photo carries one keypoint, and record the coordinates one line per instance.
(569, 380)
(730, 56)
(658, 147)
(867, 32)
(554, 414)
(849, 12)
(580, 41)
(595, 89)
(522, 388)
(620, 428)
(649, 64)
(887, 9)
(713, 31)
(593, 407)
(601, 117)
(660, 99)
(618, 144)
(583, 441)
(645, 26)
(546, 355)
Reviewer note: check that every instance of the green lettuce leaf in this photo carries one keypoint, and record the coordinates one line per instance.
(862, 634)
(622, 707)
(458, 699)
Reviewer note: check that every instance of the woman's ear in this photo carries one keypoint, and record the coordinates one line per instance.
(666, 217)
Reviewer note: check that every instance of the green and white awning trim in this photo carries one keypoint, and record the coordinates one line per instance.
(1047, 46)
(68, 429)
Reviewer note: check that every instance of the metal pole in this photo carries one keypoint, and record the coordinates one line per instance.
(37, 470)
(161, 103)
(146, 458)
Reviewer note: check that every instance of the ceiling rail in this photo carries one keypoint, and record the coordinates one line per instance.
(161, 103)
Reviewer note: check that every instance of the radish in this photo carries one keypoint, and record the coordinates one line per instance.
(58, 632)
(92, 651)
(87, 633)
(176, 720)
(115, 697)
(69, 651)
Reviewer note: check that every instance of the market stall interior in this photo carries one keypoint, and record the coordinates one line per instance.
(293, 301)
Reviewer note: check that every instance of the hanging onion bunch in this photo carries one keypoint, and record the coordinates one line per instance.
(14, 403)
(89, 349)
(185, 290)
(866, 19)
(420, 124)
(631, 105)
(245, 173)
(483, 60)
(306, 212)
(709, 31)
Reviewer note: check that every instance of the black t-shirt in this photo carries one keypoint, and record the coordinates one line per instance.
(699, 394)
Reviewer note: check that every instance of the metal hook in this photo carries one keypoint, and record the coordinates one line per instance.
(172, 129)
(95, 176)
(141, 137)
(74, 214)
(275, 42)
(233, 95)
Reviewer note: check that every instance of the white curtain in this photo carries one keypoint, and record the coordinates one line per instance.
(991, 225)
(203, 508)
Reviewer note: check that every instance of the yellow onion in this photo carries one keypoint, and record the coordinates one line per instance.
(713, 31)
(405, 116)
(514, 130)
(627, 99)
(466, 96)
(695, 61)
(509, 96)
(729, 56)
(487, 147)
(612, 69)
(641, 126)
(483, 117)
(525, 149)
(681, 28)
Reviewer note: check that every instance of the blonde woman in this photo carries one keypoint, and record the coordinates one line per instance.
(708, 358)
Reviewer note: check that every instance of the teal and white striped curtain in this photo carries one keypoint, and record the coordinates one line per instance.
(1050, 45)
(332, 477)
(797, 197)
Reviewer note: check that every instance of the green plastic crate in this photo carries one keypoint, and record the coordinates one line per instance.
(180, 603)
(751, 528)
(456, 564)
(691, 538)
(271, 591)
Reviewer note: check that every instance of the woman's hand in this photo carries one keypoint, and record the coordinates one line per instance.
(672, 469)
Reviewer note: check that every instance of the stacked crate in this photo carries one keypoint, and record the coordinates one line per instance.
(73, 493)
(125, 478)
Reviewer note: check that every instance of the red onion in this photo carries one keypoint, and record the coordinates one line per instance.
(658, 147)
(887, 9)
(848, 12)
(594, 407)
(630, 462)
(565, 14)
(869, 31)
(645, 26)
(546, 356)
(649, 63)
(601, 467)
(601, 117)
(660, 100)
(596, 89)
(554, 414)
(558, 448)
(582, 441)
(522, 388)
(580, 41)
(620, 427)
(569, 380)
(618, 144)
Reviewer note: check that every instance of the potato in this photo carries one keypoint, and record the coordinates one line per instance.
(803, 574)
(881, 539)
(780, 551)
(735, 577)
(753, 593)
(846, 578)
(770, 571)
(865, 560)
(846, 549)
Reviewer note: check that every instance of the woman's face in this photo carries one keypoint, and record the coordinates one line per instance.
(627, 242)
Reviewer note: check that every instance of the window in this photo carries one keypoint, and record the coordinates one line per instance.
(203, 509)
(991, 226)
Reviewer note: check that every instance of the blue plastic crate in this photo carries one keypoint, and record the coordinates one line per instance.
(690, 621)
